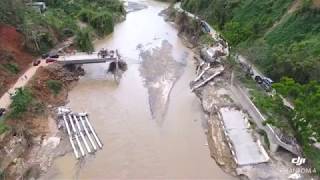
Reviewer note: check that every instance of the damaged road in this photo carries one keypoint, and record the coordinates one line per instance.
(239, 151)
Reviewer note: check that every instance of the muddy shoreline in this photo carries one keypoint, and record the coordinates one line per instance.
(218, 146)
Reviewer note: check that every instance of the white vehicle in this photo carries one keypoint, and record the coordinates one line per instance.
(39, 6)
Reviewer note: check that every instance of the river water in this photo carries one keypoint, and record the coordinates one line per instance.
(135, 145)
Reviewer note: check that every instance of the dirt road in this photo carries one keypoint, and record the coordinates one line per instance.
(23, 80)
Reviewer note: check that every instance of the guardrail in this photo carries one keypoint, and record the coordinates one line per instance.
(270, 130)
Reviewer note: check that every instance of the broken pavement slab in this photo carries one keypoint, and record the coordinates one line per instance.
(248, 149)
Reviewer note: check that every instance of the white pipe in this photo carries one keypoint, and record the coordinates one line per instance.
(70, 138)
(81, 134)
(199, 67)
(82, 114)
(93, 132)
(205, 81)
(88, 134)
(205, 70)
(76, 135)
(219, 71)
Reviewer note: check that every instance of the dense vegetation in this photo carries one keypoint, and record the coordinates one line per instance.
(281, 37)
(250, 25)
(20, 103)
(43, 31)
(55, 86)
(84, 41)
(3, 128)
(305, 119)
(11, 67)
(306, 99)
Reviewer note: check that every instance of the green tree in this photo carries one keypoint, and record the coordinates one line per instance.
(84, 40)
(306, 100)
(20, 102)
(103, 23)
(235, 32)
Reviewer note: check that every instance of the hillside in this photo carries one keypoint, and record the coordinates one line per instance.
(247, 24)
(282, 38)
(26, 33)
(14, 59)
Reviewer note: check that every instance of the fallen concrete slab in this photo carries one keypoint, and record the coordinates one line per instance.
(247, 148)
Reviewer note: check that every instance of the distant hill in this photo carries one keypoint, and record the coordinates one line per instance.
(272, 33)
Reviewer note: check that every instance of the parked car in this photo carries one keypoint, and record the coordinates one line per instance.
(44, 56)
(2, 111)
(38, 6)
(258, 79)
(49, 60)
(205, 27)
(50, 55)
(36, 62)
(53, 55)
(265, 83)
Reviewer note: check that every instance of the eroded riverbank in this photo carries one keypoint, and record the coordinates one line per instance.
(216, 91)
(135, 144)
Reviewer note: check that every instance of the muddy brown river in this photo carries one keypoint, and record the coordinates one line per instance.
(136, 145)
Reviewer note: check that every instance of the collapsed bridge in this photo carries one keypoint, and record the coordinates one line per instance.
(85, 58)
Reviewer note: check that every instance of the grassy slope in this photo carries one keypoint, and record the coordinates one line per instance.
(290, 47)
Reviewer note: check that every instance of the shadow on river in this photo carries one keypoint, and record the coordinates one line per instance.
(151, 124)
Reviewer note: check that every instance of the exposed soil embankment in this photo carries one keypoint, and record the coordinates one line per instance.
(67, 76)
(212, 94)
(28, 147)
(14, 59)
(189, 30)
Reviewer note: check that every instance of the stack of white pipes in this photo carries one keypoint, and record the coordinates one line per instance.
(81, 134)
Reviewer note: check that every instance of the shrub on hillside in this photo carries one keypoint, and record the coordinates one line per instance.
(103, 23)
(12, 68)
(84, 41)
(236, 33)
(55, 86)
(20, 103)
